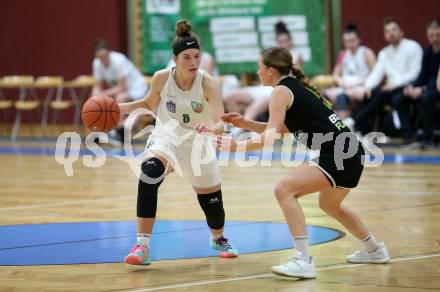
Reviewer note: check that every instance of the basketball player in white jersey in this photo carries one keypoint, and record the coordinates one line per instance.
(352, 68)
(183, 97)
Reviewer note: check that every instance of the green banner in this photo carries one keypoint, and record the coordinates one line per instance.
(234, 31)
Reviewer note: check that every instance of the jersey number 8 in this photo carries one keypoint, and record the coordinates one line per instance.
(185, 118)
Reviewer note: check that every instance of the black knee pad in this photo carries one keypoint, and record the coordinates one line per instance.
(153, 173)
(212, 205)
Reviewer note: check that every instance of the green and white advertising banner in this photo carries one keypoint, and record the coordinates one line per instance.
(235, 31)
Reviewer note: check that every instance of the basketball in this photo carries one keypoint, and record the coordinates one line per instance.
(100, 113)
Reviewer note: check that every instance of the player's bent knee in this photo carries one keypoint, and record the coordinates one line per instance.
(152, 175)
(281, 191)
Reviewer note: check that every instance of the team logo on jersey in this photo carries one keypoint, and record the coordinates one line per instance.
(197, 106)
(171, 107)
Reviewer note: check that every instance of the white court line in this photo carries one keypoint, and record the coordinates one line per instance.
(233, 279)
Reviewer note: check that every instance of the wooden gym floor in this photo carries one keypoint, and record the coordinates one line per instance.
(400, 202)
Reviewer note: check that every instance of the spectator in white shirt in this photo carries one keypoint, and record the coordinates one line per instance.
(399, 63)
(352, 68)
(117, 77)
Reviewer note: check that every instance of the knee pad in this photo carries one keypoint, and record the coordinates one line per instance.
(153, 173)
(212, 206)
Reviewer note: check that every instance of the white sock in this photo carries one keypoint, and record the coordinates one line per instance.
(302, 244)
(143, 239)
(370, 243)
(215, 237)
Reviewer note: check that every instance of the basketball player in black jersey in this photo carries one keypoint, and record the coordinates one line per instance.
(297, 107)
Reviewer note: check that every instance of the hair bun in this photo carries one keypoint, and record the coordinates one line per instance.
(351, 27)
(280, 27)
(183, 28)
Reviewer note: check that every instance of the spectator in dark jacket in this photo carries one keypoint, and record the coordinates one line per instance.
(423, 91)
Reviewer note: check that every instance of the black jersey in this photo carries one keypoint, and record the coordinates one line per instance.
(310, 117)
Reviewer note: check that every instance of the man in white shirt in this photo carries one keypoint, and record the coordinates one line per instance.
(117, 77)
(399, 63)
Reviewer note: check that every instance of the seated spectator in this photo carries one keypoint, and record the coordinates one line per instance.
(352, 68)
(400, 63)
(256, 98)
(422, 91)
(117, 77)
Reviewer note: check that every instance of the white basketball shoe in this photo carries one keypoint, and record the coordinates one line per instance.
(379, 256)
(296, 267)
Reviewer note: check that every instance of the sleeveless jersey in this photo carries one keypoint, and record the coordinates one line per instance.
(184, 108)
(310, 117)
(354, 66)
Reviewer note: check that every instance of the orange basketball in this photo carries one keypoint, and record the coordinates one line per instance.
(100, 113)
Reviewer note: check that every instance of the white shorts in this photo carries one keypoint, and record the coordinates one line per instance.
(196, 157)
(259, 92)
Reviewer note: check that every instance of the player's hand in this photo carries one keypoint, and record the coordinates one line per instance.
(226, 144)
(201, 128)
(235, 119)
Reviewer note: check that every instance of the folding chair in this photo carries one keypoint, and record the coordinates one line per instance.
(83, 84)
(5, 105)
(24, 85)
(53, 85)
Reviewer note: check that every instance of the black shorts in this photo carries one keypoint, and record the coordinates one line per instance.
(342, 173)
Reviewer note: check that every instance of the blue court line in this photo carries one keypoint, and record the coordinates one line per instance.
(188, 227)
(109, 242)
(276, 156)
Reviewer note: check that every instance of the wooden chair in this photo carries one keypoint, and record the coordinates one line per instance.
(53, 85)
(83, 84)
(24, 86)
(5, 106)
(323, 81)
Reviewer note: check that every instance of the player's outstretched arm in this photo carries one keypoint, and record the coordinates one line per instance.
(238, 121)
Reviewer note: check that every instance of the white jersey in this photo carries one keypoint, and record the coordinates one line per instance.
(354, 67)
(121, 67)
(179, 111)
(174, 136)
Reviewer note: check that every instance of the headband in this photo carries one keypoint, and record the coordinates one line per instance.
(186, 43)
